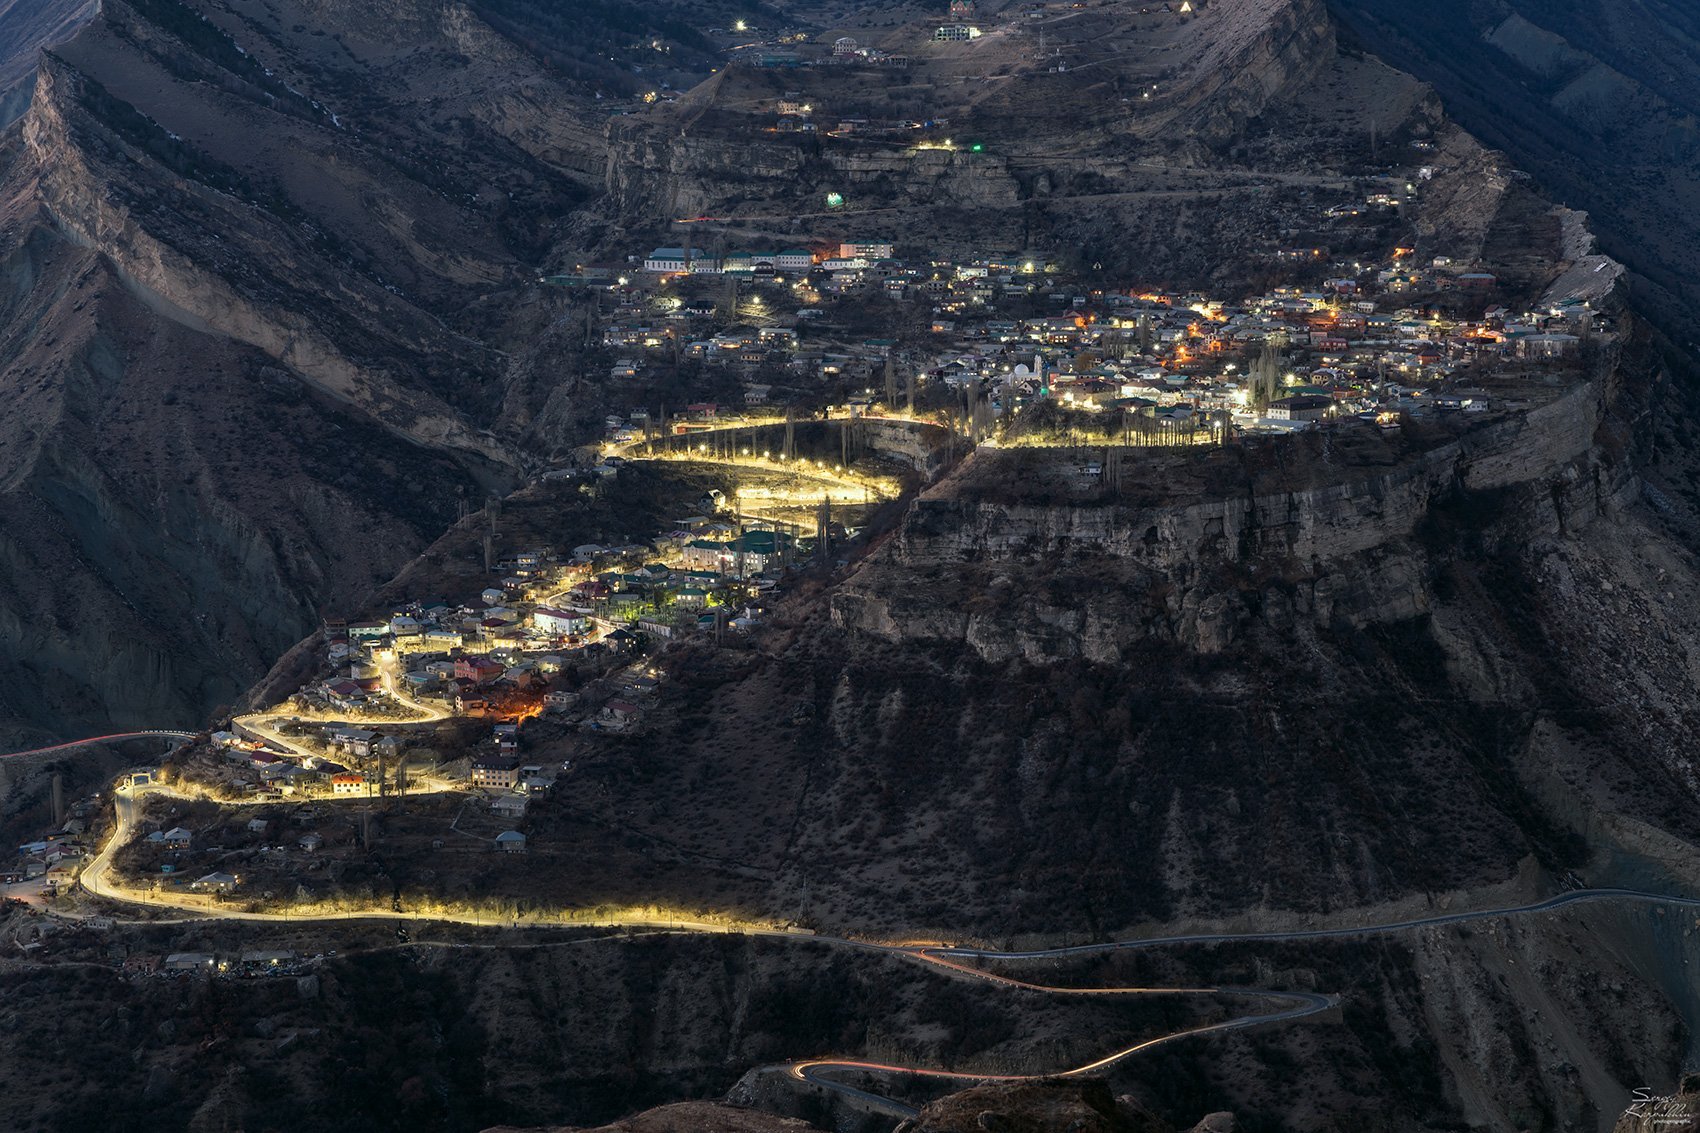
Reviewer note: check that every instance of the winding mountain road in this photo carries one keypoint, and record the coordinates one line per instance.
(951, 960)
(1288, 1006)
(114, 738)
(1301, 1004)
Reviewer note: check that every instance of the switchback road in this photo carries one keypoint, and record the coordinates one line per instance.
(950, 960)
(954, 961)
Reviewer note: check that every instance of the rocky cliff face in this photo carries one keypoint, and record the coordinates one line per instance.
(245, 383)
(1597, 100)
(1051, 135)
(1344, 550)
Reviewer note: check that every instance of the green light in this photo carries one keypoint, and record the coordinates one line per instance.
(835, 200)
(977, 148)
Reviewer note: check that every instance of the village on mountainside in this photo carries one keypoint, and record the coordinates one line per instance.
(814, 345)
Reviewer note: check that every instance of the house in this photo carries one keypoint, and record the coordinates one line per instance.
(190, 962)
(478, 670)
(671, 261)
(665, 261)
(621, 709)
(873, 251)
(355, 741)
(1548, 347)
(312, 843)
(511, 842)
(215, 883)
(547, 619)
(495, 772)
(1304, 408)
(176, 838)
(258, 826)
(262, 960)
(509, 806)
(344, 693)
(348, 783)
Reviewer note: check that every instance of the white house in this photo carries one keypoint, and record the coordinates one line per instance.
(875, 251)
(547, 619)
(665, 261)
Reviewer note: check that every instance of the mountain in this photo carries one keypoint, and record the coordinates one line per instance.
(26, 26)
(1361, 676)
(245, 382)
(1598, 101)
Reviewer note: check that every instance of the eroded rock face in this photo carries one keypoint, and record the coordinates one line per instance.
(1051, 143)
(1349, 551)
(246, 383)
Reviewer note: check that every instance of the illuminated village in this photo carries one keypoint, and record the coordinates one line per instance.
(939, 565)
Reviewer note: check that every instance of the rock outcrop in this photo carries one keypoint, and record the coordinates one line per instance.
(244, 383)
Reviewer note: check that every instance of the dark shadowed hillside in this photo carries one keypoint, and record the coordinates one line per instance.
(1599, 100)
(26, 26)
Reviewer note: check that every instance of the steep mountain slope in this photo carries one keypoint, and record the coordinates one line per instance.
(1598, 100)
(26, 26)
(247, 380)
(1342, 681)
(1099, 142)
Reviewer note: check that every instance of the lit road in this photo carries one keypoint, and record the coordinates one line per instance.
(700, 444)
(115, 737)
(1299, 1005)
(1285, 1005)
(264, 724)
(950, 960)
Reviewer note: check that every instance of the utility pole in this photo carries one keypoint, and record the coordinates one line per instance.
(823, 530)
(492, 509)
